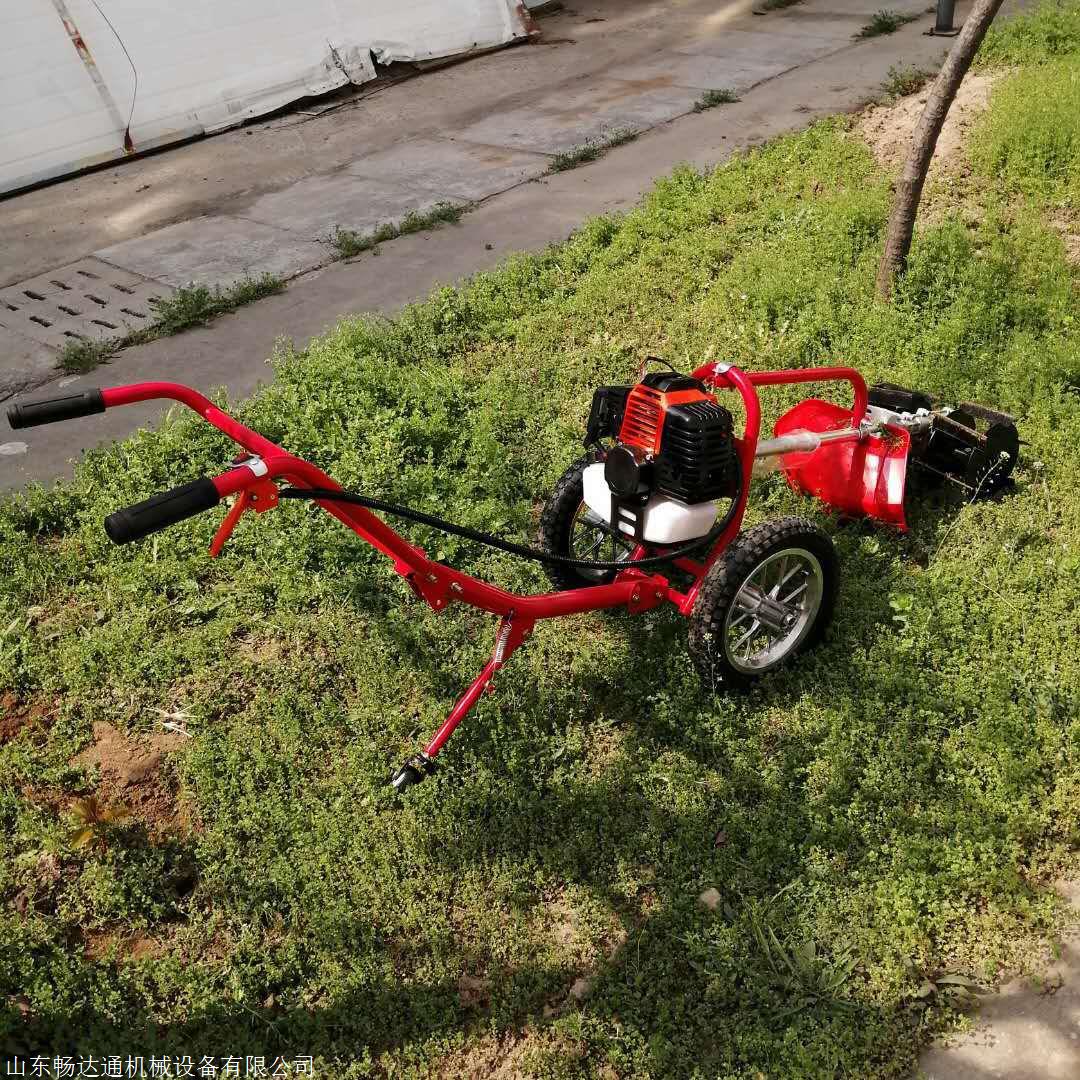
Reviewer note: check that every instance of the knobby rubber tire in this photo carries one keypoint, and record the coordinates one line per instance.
(726, 577)
(556, 524)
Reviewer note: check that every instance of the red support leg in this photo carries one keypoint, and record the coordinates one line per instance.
(464, 704)
(510, 635)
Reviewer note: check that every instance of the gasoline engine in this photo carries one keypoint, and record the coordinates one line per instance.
(674, 456)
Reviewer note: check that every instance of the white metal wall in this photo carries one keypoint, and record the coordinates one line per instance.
(67, 86)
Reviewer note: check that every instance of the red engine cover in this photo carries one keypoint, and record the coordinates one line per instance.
(643, 417)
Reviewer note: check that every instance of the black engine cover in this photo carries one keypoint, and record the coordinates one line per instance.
(697, 460)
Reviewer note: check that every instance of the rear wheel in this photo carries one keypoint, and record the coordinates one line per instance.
(768, 598)
(570, 529)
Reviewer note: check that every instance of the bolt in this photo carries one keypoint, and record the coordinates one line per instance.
(659, 594)
(456, 587)
(433, 577)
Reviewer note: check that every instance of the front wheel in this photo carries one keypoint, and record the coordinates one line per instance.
(767, 598)
(570, 529)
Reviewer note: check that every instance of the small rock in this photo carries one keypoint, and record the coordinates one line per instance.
(580, 990)
(720, 839)
(710, 899)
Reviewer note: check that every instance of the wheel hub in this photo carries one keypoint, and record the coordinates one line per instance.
(773, 610)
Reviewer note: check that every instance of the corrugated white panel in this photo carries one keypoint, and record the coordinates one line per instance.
(202, 65)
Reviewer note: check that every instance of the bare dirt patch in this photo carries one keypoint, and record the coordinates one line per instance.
(510, 1056)
(888, 128)
(261, 650)
(473, 991)
(15, 714)
(98, 945)
(131, 774)
(487, 1057)
(1067, 225)
(128, 759)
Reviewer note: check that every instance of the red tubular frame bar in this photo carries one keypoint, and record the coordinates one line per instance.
(437, 584)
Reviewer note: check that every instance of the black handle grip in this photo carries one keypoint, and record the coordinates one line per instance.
(187, 500)
(49, 411)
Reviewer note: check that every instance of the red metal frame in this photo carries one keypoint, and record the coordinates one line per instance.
(438, 584)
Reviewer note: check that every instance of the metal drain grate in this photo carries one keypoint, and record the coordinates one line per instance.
(87, 300)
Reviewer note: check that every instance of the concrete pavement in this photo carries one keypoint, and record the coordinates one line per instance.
(223, 209)
(1028, 1030)
(232, 352)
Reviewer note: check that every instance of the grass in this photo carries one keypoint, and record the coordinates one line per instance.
(881, 825)
(350, 243)
(190, 305)
(1030, 141)
(1047, 32)
(711, 98)
(85, 354)
(885, 22)
(590, 150)
(905, 79)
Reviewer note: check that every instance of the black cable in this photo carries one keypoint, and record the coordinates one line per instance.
(660, 360)
(134, 71)
(330, 495)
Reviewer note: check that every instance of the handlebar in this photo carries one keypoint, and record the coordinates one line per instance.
(160, 511)
(170, 507)
(52, 410)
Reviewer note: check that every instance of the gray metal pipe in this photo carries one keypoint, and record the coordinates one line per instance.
(943, 25)
(807, 441)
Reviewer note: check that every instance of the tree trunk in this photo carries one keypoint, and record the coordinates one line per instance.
(909, 186)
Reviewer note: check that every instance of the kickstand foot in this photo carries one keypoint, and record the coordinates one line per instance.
(411, 773)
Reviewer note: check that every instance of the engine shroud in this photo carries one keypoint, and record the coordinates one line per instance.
(672, 437)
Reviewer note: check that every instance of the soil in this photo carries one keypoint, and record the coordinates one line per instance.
(1067, 225)
(888, 128)
(15, 714)
(131, 774)
(128, 759)
(97, 946)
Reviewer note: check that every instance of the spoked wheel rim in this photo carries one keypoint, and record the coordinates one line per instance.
(773, 610)
(592, 538)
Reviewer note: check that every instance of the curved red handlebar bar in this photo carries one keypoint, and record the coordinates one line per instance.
(721, 374)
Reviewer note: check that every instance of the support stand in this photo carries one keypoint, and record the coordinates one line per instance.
(508, 637)
(943, 25)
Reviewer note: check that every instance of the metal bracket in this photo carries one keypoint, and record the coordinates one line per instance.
(431, 586)
(649, 591)
(260, 497)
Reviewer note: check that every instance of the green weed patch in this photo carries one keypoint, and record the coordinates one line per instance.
(349, 243)
(1044, 33)
(189, 306)
(1030, 140)
(885, 21)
